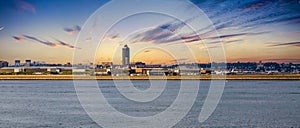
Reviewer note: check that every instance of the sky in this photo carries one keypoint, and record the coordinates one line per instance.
(249, 31)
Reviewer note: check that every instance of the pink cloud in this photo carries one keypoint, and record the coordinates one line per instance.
(25, 6)
(72, 31)
(18, 39)
(257, 5)
(89, 39)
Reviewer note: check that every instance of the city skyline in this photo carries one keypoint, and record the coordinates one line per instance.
(250, 31)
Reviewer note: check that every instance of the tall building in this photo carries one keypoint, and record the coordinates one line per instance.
(125, 56)
(17, 63)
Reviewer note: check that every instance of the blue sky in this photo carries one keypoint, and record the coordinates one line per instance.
(251, 30)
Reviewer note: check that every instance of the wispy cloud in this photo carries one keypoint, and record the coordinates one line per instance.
(18, 5)
(180, 60)
(147, 51)
(1, 28)
(165, 33)
(295, 32)
(194, 38)
(26, 6)
(294, 44)
(171, 32)
(249, 13)
(112, 36)
(154, 35)
(18, 39)
(66, 45)
(73, 30)
(226, 42)
(284, 60)
(48, 43)
(89, 39)
(256, 5)
(236, 35)
(233, 41)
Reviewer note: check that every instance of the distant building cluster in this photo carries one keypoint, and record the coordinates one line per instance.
(143, 69)
(34, 68)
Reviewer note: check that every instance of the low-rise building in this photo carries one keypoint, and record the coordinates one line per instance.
(27, 63)
(156, 72)
(3, 64)
(6, 70)
(79, 70)
(11, 69)
(102, 72)
(188, 71)
(17, 63)
(35, 70)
